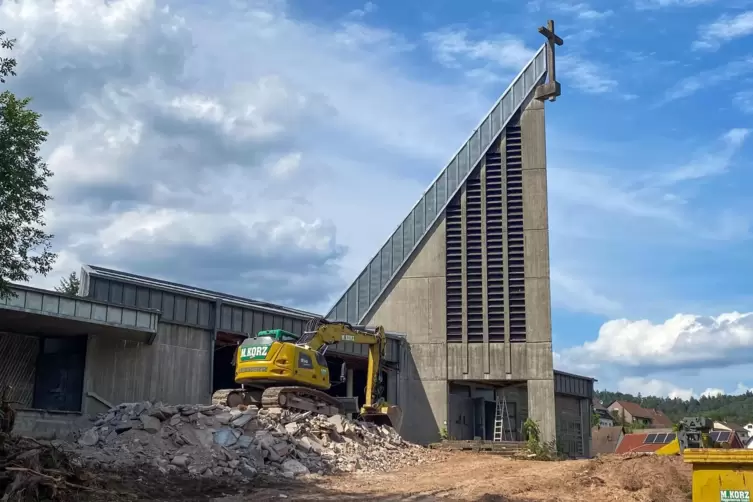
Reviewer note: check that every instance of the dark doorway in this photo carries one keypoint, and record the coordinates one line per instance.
(490, 410)
(223, 376)
(59, 380)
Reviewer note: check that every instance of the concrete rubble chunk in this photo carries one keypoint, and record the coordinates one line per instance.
(242, 420)
(163, 412)
(211, 441)
(151, 424)
(180, 460)
(295, 467)
(89, 438)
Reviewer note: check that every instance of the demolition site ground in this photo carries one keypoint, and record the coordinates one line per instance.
(454, 477)
(145, 451)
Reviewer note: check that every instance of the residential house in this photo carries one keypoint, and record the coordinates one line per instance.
(634, 414)
(605, 440)
(605, 418)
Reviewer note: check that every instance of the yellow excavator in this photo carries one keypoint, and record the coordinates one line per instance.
(279, 369)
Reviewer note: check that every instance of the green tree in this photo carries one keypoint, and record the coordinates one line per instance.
(69, 285)
(7, 65)
(737, 409)
(24, 246)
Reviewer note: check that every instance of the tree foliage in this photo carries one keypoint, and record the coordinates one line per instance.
(24, 246)
(7, 65)
(69, 285)
(726, 408)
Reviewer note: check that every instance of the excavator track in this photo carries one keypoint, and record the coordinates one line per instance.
(293, 398)
(301, 399)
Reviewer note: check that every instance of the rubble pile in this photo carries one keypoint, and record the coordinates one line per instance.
(219, 441)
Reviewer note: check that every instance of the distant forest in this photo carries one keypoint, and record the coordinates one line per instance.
(736, 409)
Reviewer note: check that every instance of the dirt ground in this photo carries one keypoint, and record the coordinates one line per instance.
(469, 477)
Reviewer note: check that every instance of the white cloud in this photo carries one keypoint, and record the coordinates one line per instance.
(662, 388)
(584, 11)
(454, 48)
(744, 101)
(656, 4)
(286, 165)
(727, 72)
(174, 156)
(714, 160)
(368, 8)
(741, 389)
(574, 294)
(653, 387)
(684, 341)
(502, 57)
(724, 29)
(711, 392)
(585, 75)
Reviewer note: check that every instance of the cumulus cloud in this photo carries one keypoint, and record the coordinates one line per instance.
(684, 341)
(201, 143)
(652, 387)
(712, 392)
(661, 387)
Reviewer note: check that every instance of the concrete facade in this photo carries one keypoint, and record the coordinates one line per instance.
(416, 303)
(466, 277)
(415, 306)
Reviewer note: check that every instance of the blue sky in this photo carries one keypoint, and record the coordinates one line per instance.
(268, 148)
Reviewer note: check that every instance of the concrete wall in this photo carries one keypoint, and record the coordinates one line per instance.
(415, 305)
(538, 346)
(49, 425)
(174, 369)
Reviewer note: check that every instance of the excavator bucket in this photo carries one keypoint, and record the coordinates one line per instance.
(384, 415)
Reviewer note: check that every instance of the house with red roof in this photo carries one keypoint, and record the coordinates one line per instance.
(632, 413)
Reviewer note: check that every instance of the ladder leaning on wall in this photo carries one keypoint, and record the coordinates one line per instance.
(501, 421)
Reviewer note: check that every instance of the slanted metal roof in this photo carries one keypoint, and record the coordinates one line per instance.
(361, 296)
(106, 274)
(206, 294)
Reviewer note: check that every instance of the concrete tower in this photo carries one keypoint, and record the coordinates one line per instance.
(466, 278)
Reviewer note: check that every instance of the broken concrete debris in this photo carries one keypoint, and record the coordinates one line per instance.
(219, 441)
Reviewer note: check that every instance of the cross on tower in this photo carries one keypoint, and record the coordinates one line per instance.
(551, 89)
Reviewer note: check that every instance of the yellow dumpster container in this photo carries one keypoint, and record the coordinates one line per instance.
(721, 475)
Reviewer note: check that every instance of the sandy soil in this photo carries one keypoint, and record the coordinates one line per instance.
(474, 477)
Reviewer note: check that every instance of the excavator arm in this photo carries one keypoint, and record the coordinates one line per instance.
(331, 332)
(328, 333)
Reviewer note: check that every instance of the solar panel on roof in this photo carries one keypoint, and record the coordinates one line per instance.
(660, 439)
(714, 436)
(649, 439)
(724, 437)
(671, 437)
